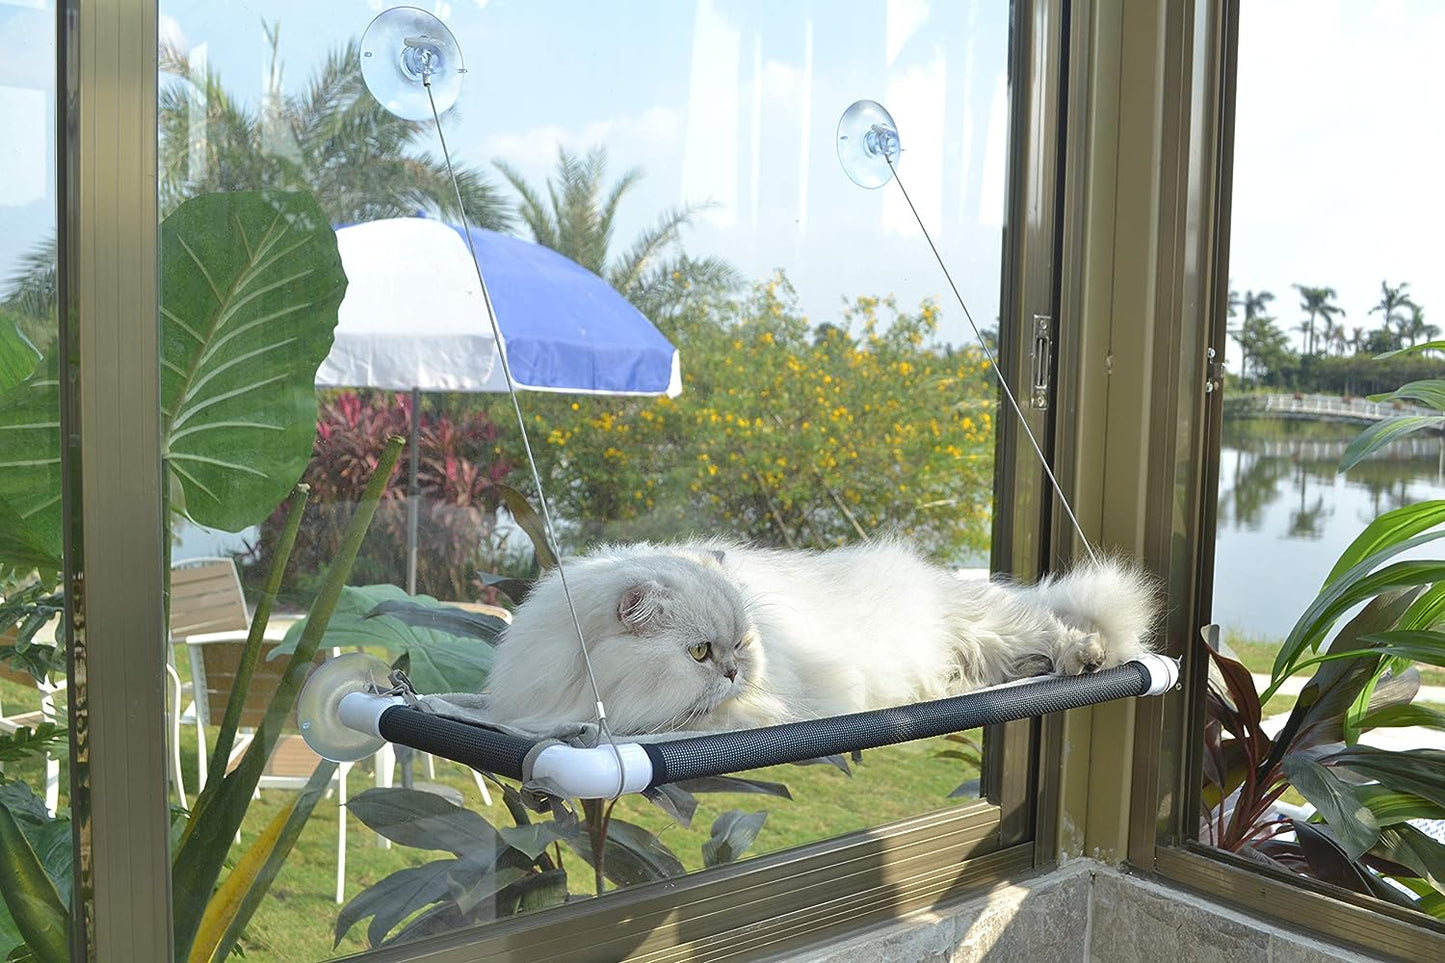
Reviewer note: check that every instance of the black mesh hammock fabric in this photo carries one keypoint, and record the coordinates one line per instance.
(715, 754)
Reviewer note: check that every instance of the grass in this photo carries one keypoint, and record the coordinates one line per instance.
(297, 919)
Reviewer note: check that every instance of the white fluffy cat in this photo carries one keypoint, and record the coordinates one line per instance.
(712, 635)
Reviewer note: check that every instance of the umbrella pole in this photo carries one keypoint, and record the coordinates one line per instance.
(413, 493)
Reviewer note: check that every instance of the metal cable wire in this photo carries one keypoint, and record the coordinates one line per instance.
(998, 372)
(549, 530)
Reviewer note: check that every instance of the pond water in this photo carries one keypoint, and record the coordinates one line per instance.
(1286, 513)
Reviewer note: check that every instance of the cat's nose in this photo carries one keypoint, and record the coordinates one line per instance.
(731, 674)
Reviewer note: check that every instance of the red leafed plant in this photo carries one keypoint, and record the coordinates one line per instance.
(459, 468)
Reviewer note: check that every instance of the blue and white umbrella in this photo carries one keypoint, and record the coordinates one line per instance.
(413, 320)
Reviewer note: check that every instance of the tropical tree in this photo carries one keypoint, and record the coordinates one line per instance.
(1265, 347)
(331, 140)
(576, 215)
(1253, 304)
(1415, 328)
(786, 433)
(1317, 303)
(1394, 301)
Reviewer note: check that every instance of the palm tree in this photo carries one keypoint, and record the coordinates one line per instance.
(361, 161)
(1316, 303)
(1333, 338)
(1253, 303)
(1265, 347)
(1393, 301)
(1415, 328)
(576, 217)
(333, 139)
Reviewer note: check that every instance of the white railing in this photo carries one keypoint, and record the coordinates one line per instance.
(1327, 406)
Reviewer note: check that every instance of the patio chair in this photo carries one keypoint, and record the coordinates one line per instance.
(215, 658)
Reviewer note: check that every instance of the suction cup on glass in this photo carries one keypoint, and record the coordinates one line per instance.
(405, 49)
(318, 710)
(867, 142)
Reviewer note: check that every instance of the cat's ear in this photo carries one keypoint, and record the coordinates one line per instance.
(640, 605)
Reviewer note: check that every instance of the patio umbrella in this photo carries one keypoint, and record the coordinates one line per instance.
(413, 320)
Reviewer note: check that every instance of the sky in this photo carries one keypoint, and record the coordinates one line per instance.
(1339, 140)
(734, 103)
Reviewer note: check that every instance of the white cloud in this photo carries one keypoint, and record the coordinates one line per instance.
(1336, 152)
(654, 132)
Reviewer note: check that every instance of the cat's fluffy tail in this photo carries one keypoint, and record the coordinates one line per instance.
(1114, 598)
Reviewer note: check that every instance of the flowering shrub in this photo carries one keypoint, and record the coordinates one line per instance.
(458, 469)
(787, 434)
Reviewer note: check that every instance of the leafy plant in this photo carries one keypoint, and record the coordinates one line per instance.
(251, 284)
(208, 925)
(438, 643)
(458, 474)
(495, 871)
(786, 433)
(1364, 798)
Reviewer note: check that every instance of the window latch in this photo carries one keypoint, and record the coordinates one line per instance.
(1042, 363)
(1213, 372)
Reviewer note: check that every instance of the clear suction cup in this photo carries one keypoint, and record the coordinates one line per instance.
(867, 142)
(318, 710)
(405, 49)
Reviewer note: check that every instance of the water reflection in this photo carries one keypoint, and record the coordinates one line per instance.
(1285, 512)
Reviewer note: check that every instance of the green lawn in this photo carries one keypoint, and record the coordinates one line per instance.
(297, 920)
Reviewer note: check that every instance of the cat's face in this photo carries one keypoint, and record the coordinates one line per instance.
(687, 639)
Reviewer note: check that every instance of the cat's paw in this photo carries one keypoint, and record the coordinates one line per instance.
(1082, 654)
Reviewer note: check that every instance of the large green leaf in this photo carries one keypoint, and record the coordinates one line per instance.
(251, 282)
(732, 833)
(30, 470)
(18, 357)
(1430, 393)
(1406, 845)
(1382, 433)
(1319, 715)
(395, 897)
(632, 855)
(1359, 583)
(1412, 349)
(427, 821)
(440, 661)
(1417, 771)
(1390, 528)
(35, 907)
(1391, 806)
(1348, 815)
(1408, 715)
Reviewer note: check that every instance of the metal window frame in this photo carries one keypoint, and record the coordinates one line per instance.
(111, 465)
(114, 569)
(1180, 276)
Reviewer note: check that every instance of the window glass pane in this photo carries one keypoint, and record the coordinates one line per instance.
(1332, 263)
(34, 783)
(685, 156)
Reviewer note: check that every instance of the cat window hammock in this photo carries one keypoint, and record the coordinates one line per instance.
(348, 718)
(344, 713)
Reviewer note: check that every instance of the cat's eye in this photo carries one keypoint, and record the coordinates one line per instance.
(700, 651)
